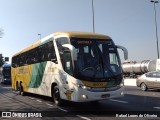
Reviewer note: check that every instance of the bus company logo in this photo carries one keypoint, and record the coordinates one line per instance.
(50, 69)
(6, 114)
(23, 70)
(98, 84)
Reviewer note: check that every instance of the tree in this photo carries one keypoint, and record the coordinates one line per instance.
(1, 32)
(1, 60)
(1, 56)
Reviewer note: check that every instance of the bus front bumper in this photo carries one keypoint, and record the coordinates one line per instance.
(82, 95)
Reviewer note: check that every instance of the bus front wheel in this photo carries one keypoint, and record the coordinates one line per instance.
(56, 96)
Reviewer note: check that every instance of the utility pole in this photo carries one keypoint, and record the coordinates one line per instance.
(93, 16)
(39, 36)
(154, 2)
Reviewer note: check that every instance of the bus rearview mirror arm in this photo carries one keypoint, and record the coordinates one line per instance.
(125, 51)
(73, 52)
(72, 49)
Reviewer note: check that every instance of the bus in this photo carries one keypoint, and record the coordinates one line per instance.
(70, 66)
(6, 74)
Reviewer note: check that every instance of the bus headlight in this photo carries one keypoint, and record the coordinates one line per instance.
(84, 96)
(83, 87)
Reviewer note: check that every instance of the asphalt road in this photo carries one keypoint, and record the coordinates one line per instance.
(134, 103)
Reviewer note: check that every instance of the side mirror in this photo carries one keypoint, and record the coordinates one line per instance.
(72, 51)
(125, 51)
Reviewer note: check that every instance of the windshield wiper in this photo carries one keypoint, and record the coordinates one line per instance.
(102, 61)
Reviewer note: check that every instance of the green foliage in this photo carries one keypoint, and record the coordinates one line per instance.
(1, 60)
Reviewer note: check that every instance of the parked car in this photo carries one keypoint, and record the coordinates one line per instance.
(149, 80)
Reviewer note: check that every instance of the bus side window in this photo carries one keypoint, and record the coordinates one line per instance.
(32, 57)
(51, 52)
(21, 60)
(25, 58)
(35, 58)
(17, 62)
(42, 53)
(28, 60)
(47, 52)
(13, 62)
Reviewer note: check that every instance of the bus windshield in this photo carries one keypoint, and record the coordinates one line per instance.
(96, 59)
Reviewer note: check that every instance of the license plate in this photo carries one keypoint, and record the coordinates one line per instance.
(105, 96)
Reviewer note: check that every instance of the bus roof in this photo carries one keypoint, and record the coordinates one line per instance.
(69, 34)
(83, 35)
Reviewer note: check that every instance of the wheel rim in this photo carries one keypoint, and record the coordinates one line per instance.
(143, 87)
(56, 96)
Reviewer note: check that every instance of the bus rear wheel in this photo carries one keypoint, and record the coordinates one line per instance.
(17, 86)
(56, 96)
(21, 91)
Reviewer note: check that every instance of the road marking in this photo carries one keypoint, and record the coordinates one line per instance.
(8, 88)
(156, 107)
(49, 105)
(38, 100)
(82, 117)
(63, 109)
(31, 98)
(118, 101)
(6, 96)
(14, 91)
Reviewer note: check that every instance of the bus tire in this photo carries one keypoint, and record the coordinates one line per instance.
(56, 96)
(17, 86)
(94, 102)
(21, 91)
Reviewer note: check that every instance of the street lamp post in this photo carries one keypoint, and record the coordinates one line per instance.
(154, 2)
(39, 36)
(93, 15)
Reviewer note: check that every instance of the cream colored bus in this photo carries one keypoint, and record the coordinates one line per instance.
(73, 66)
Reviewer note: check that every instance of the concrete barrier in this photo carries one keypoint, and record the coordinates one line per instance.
(129, 82)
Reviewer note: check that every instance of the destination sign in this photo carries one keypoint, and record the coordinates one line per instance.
(84, 42)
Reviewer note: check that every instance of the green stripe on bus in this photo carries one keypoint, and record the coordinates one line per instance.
(37, 75)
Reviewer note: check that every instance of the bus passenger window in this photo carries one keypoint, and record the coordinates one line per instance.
(51, 52)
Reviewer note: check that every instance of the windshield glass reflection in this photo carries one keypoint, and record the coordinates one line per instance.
(96, 58)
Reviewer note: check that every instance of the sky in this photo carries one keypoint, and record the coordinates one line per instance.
(130, 23)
